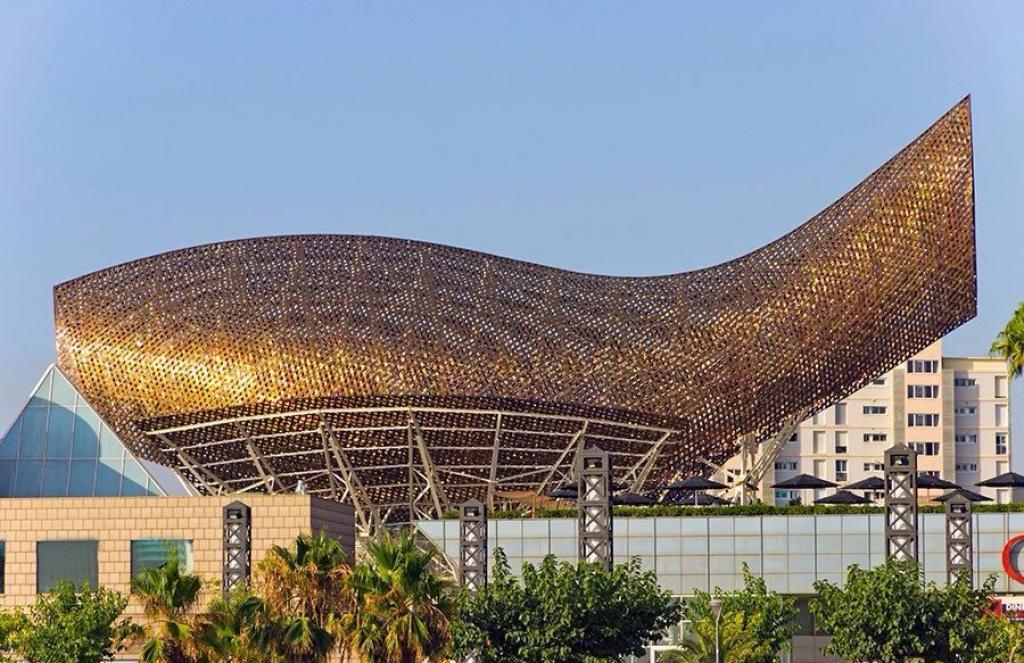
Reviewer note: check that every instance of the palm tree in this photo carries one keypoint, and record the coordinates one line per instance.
(300, 594)
(168, 596)
(736, 642)
(403, 609)
(237, 628)
(1009, 344)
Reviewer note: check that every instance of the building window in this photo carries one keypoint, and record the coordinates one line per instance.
(873, 467)
(965, 410)
(154, 553)
(786, 496)
(923, 366)
(966, 467)
(76, 561)
(922, 391)
(1001, 387)
(841, 470)
(3, 566)
(964, 382)
(874, 409)
(927, 448)
(840, 414)
(841, 438)
(785, 465)
(818, 418)
(1002, 448)
(966, 438)
(878, 382)
(876, 437)
(1001, 416)
(922, 420)
(819, 442)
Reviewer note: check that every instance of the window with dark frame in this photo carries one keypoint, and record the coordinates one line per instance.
(76, 561)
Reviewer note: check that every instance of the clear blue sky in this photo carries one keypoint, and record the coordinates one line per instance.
(626, 138)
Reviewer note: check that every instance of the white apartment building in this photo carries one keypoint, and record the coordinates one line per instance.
(954, 410)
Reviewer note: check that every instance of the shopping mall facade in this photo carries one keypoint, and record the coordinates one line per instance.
(349, 383)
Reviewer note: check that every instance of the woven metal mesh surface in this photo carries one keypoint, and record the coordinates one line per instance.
(388, 341)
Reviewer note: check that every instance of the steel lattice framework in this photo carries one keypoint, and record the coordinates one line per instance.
(407, 376)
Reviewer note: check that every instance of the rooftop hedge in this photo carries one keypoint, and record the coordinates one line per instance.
(660, 510)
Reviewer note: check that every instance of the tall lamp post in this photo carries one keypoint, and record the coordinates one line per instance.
(716, 610)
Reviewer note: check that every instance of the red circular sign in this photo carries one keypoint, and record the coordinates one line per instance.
(1008, 565)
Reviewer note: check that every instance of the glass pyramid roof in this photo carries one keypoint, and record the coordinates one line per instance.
(59, 447)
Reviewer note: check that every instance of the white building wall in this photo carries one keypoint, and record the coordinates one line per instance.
(846, 442)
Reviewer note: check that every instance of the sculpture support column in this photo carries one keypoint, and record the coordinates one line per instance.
(473, 545)
(901, 503)
(959, 546)
(594, 474)
(237, 546)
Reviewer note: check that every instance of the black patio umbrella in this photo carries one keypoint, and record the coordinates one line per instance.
(699, 499)
(710, 500)
(843, 497)
(969, 494)
(696, 483)
(804, 482)
(1008, 480)
(870, 483)
(632, 499)
(929, 481)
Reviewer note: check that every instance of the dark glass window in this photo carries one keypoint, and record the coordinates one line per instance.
(76, 561)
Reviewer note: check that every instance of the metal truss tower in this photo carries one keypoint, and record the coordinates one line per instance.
(473, 545)
(959, 547)
(594, 473)
(901, 503)
(237, 546)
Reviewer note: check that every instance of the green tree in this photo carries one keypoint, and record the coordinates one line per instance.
(1004, 642)
(1009, 343)
(242, 629)
(736, 644)
(10, 623)
(403, 609)
(169, 596)
(755, 624)
(564, 613)
(300, 594)
(960, 626)
(888, 614)
(69, 625)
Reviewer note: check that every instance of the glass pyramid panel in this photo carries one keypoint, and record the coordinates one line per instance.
(59, 447)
